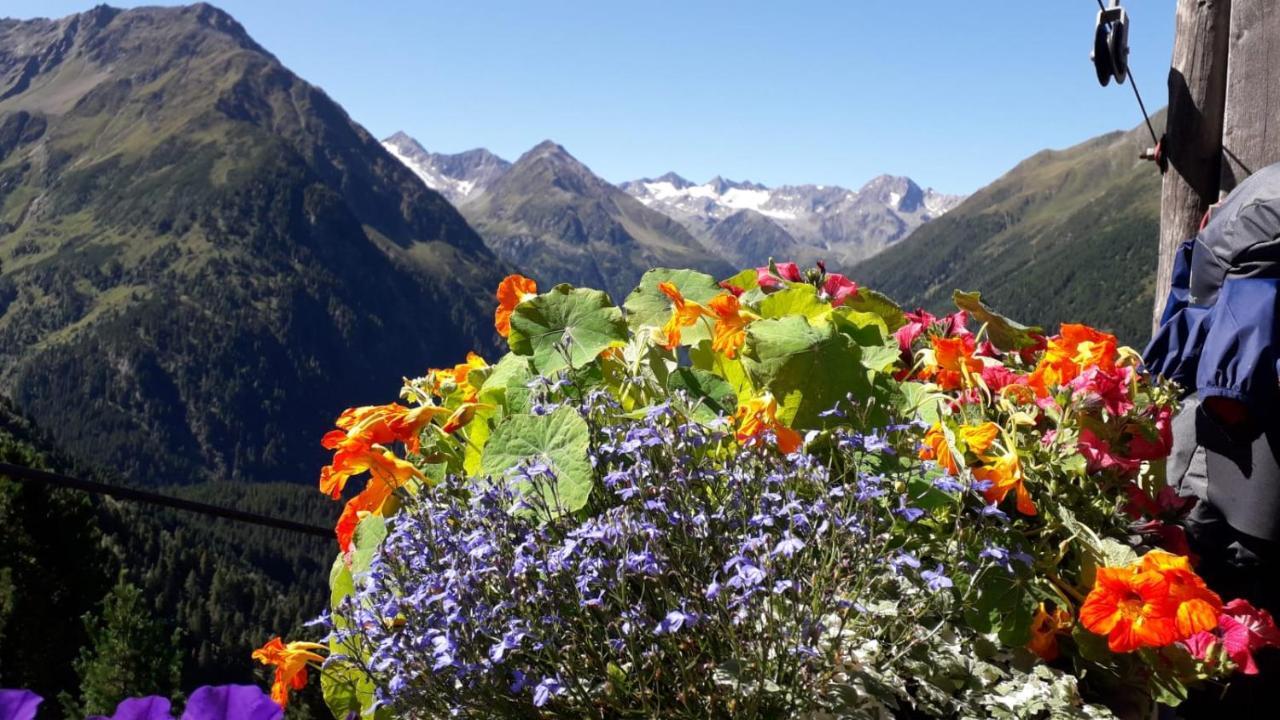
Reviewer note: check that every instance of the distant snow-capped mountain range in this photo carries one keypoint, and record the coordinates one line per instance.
(745, 223)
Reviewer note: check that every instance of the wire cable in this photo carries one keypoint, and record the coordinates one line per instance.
(144, 496)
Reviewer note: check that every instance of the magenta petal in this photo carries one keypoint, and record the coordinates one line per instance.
(231, 702)
(143, 708)
(19, 704)
(1238, 643)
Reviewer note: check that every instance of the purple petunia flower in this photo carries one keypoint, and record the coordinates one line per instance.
(19, 704)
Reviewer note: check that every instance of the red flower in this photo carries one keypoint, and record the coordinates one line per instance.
(839, 288)
(1099, 455)
(788, 271)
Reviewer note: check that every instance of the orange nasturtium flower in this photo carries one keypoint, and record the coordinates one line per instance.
(368, 502)
(513, 290)
(291, 665)
(937, 449)
(465, 413)
(1132, 608)
(730, 330)
(1004, 472)
(382, 465)
(1045, 628)
(951, 363)
(458, 374)
(1076, 349)
(684, 313)
(380, 425)
(978, 438)
(1198, 606)
(760, 414)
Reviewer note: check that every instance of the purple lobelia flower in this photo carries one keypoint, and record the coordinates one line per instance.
(545, 690)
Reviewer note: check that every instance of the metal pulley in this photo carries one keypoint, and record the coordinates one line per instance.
(1111, 44)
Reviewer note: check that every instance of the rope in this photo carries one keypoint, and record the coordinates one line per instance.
(143, 496)
(1133, 83)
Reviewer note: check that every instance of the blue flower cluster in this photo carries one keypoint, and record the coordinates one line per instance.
(702, 575)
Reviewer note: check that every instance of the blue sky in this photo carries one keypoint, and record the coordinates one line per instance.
(950, 92)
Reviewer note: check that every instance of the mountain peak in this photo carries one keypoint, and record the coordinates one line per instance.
(678, 182)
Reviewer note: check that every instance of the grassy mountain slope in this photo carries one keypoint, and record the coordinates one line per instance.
(552, 217)
(1067, 235)
(202, 257)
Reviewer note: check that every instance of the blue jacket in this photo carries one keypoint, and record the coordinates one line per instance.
(1217, 338)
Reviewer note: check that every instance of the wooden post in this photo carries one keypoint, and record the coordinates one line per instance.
(1251, 129)
(1193, 135)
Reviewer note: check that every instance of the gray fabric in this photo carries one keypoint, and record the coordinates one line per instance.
(1185, 468)
(1242, 238)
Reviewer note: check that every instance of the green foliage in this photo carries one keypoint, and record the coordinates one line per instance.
(566, 327)
(1004, 333)
(808, 368)
(557, 441)
(129, 654)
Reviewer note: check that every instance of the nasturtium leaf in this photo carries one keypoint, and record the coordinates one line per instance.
(507, 384)
(746, 280)
(1004, 333)
(808, 369)
(370, 533)
(648, 307)
(868, 300)
(477, 433)
(558, 440)
(584, 319)
(1002, 604)
(799, 299)
(732, 370)
(916, 400)
(347, 689)
(715, 395)
(341, 586)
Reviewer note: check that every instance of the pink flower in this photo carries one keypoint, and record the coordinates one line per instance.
(998, 377)
(1245, 630)
(1111, 390)
(837, 287)
(768, 281)
(1201, 644)
(1097, 452)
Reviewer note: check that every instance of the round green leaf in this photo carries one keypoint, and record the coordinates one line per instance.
(586, 320)
(808, 369)
(799, 299)
(558, 440)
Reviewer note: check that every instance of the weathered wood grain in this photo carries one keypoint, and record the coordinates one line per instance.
(1193, 140)
(1250, 139)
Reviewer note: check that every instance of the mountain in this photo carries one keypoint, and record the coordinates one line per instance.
(458, 176)
(825, 222)
(549, 215)
(1066, 235)
(203, 258)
